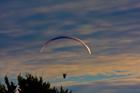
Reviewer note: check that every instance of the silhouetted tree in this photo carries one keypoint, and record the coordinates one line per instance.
(34, 84)
(10, 86)
(30, 84)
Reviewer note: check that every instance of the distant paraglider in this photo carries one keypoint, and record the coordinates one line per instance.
(66, 37)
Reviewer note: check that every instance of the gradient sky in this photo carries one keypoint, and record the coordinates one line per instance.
(111, 28)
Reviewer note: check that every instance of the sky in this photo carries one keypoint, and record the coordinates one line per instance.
(111, 28)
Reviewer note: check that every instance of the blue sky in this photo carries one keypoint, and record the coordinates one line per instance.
(109, 27)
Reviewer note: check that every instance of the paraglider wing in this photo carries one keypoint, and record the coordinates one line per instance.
(67, 37)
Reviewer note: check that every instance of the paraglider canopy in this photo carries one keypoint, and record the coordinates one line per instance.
(67, 37)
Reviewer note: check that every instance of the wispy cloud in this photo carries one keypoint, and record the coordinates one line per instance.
(124, 85)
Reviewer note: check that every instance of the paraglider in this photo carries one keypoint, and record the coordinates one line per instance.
(67, 37)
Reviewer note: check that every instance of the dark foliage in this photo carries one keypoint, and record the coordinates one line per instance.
(10, 86)
(2, 89)
(30, 84)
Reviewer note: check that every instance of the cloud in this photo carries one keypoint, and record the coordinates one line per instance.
(112, 66)
(124, 85)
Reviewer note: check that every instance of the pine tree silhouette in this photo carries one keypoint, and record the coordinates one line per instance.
(30, 84)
